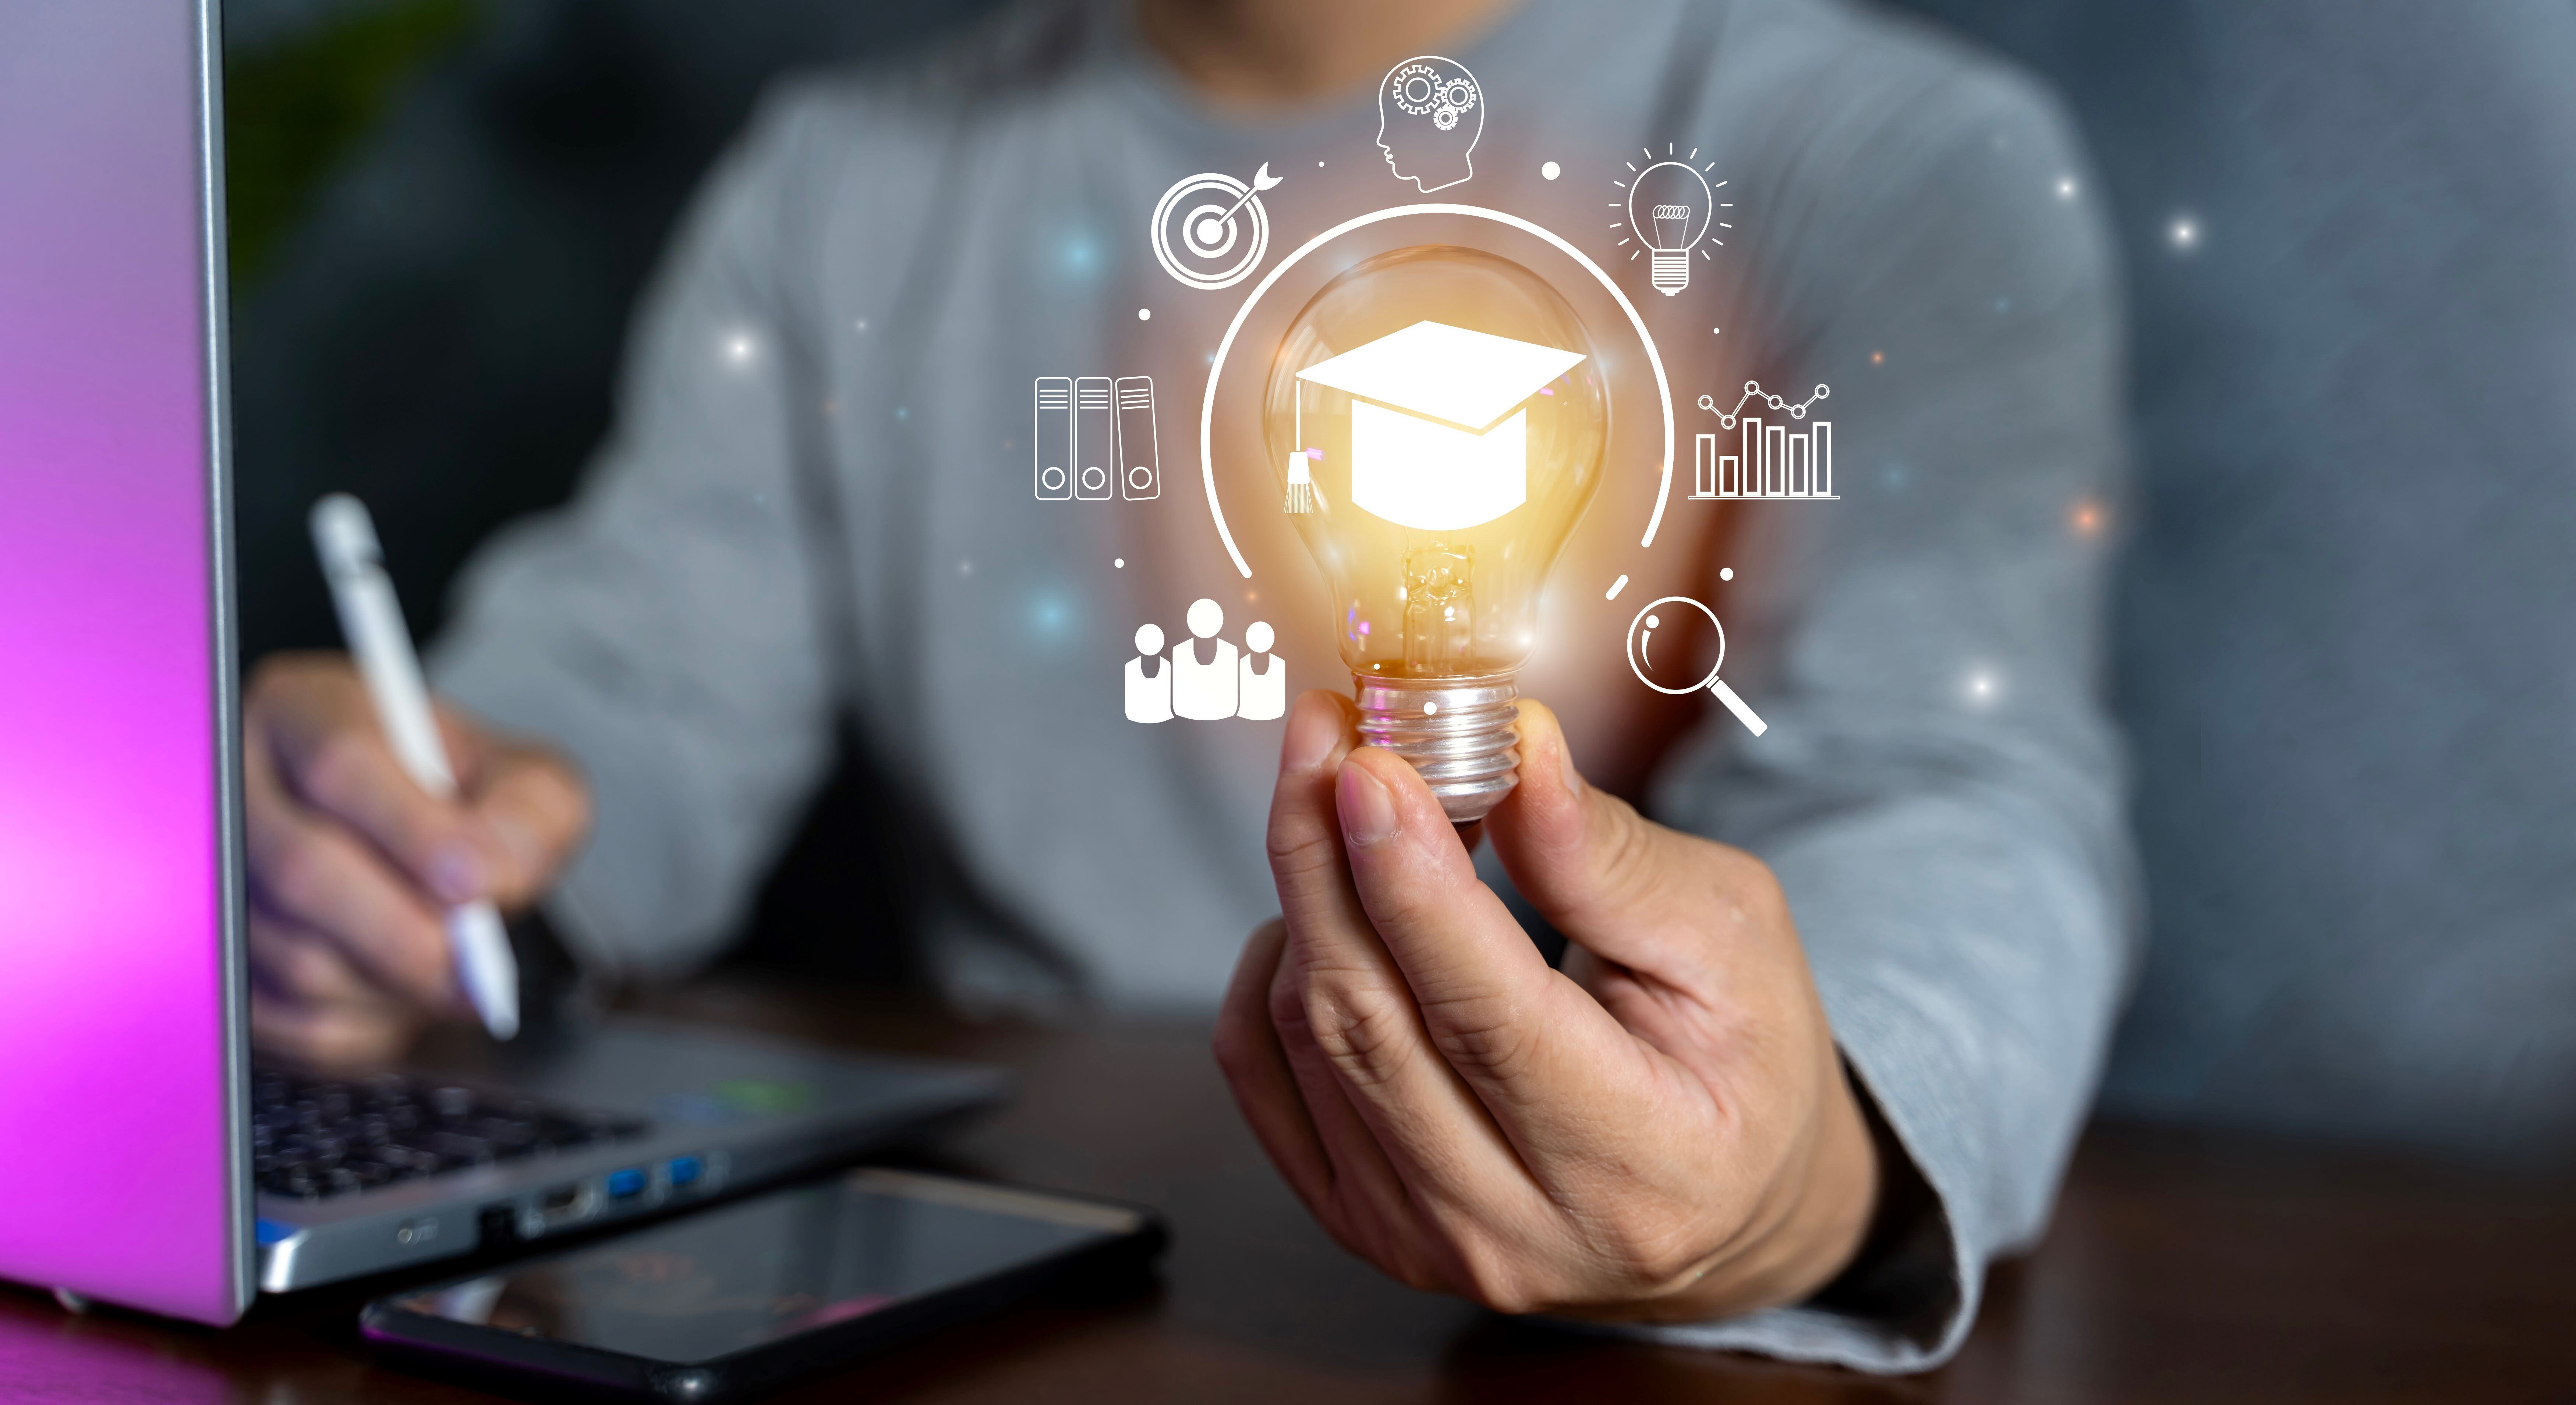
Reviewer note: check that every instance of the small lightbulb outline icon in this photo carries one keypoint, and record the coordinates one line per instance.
(1671, 208)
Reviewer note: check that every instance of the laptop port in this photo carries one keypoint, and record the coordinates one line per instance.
(499, 1226)
(561, 1199)
(626, 1184)
(685, 1171)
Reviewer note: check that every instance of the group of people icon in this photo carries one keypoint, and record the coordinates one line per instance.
(1249, 682)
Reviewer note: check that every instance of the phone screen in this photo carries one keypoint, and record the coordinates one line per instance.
(773, 1266)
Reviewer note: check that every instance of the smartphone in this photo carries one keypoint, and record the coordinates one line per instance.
(742, 1299)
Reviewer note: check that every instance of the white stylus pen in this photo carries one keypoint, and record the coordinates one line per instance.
(372, 621)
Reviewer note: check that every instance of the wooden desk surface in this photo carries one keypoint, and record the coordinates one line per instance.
(2181, 1267)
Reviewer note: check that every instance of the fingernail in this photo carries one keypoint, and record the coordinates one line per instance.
(456, 873)
(1368, 811)
(1565, 767)
(1313, 732)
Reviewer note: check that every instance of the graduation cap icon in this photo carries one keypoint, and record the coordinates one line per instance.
(1440, 421)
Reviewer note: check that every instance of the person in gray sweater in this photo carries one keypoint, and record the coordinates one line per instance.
(1836, 997)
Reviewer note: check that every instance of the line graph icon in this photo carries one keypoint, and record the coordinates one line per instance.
(1753, 391)
(1772, 461)
(1210, 230)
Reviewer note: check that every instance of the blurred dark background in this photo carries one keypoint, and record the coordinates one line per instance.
(442, 211)
(441, 214)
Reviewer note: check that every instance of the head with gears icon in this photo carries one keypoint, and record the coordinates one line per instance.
(1430, 110)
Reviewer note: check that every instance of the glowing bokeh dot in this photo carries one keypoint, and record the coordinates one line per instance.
(1551, 170)
(1726, 573)
(1119, 562)
(1144, 314)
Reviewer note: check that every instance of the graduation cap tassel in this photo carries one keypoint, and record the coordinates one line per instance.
(1301, 485)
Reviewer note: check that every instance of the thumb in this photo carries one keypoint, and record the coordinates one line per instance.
(1611, 880)
(531, 811)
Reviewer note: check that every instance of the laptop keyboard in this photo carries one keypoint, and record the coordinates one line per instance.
(316, 1137)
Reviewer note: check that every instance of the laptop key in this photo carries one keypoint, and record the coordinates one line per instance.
(456, 1146)
(316, 1137)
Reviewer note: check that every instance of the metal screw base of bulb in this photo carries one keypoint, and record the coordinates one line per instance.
(1457, 732)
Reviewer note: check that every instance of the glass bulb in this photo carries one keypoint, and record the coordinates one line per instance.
(1670, 206)
(1436, 420)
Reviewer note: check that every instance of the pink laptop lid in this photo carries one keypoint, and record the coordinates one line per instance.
(121, 1073)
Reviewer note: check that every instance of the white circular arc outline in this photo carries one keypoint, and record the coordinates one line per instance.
(1216, 368)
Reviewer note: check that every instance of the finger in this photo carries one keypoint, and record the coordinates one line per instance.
(1623, 887)
(1552, 1066)
(1373, 1209)
(336, 759)
(1376, 1210)
(308, 1001)
(1256, 1069)
(312, 872)
(295, 964)
(1355, 1040)
(1339, 994)
(533, 812)
(329, 1035)
(471, 750)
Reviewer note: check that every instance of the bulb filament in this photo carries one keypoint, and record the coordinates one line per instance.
(1439, 610)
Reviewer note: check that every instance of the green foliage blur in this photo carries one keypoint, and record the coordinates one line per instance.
(297, 108)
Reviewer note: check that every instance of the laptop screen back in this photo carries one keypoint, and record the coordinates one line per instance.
(119, 994)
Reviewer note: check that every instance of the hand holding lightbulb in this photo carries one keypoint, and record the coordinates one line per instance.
(1661, 1132)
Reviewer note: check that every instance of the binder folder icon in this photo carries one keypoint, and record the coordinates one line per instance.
(1094, 439)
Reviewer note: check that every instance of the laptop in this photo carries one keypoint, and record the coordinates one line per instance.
(151, 1161)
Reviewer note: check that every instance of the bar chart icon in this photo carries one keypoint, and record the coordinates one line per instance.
(1771, 460)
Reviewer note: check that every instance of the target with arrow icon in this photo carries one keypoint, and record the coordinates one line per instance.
(1210, 231)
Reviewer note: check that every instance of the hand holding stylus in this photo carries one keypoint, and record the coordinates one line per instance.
(353, 867)
(384, 840)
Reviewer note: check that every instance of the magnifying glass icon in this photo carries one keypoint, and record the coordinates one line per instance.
(1641, 655)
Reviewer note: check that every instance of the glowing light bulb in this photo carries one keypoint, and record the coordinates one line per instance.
(1670, 206)
(1437, 420)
